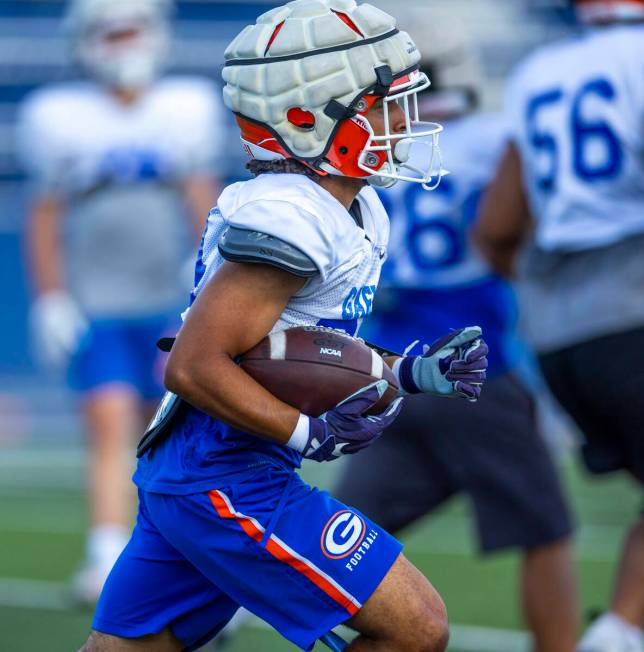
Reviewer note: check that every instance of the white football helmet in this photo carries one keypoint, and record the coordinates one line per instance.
(609, 11)
(132, 62)
(303, 78)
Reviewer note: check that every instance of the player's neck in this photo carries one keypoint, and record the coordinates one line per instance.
(343, 189)
(126, 96)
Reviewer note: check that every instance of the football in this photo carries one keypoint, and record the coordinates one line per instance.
(313, 368)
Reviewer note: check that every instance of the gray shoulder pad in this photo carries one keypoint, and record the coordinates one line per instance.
(243, 246)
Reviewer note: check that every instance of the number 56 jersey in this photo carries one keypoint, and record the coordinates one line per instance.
(577, 111)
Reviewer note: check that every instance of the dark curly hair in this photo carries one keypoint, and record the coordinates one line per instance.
(281, 166)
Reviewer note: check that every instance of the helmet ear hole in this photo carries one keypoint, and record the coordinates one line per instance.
(301, 118)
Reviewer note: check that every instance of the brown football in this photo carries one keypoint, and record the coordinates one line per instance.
(314, 368)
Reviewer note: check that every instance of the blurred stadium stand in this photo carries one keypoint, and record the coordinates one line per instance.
(33, 52)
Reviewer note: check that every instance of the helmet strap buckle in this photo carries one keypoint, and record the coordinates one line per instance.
(384, 80)
(337, 111)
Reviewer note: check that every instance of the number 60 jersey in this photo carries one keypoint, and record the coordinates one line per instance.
(577, 111)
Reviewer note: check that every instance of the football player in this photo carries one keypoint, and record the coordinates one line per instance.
(571, 187)
(324, 93)
(491, 450)
(122, 175)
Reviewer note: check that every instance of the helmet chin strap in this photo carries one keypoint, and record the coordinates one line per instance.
(402, 150)
(382, 182)
(372, 180)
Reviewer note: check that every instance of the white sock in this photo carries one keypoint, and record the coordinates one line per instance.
(631, 632)
(612, 633)
(105, 543)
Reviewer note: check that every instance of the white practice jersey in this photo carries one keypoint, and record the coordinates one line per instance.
(75, 137)
(299, 211)
(577, 113)
(429, 243)
(117, 171)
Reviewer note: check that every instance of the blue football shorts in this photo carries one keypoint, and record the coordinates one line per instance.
(119, 351)
(290, 553)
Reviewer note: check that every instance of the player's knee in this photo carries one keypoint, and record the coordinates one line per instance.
(162, 642)
(433, 630)
(428, 631)
(93, 644)
(99, 642)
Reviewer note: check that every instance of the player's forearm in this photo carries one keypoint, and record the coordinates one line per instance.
(43, 243)
(223, 390)
(235, 310)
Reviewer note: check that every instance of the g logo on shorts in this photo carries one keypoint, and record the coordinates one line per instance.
(342, 534)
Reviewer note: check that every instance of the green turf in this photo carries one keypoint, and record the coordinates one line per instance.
(41, 539)
(27, 630)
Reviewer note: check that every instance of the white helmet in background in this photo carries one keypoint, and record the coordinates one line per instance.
(449, 59)
(121, 43)
(303, 78)
(609, 11)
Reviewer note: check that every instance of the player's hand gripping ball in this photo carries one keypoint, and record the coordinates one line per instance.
(453, 365)
(345, 392)
(346, 429)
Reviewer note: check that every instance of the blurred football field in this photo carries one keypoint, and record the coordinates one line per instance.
(42, 520)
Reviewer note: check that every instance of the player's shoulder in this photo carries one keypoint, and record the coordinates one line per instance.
(293, 208)
(471, 145)
(293, 196)
(623, 37)
(296, 210)
(544, 59)
(626, 43)
(61, 100)
(479, 120)
(621, 43)
(479, 130)
(187, 92)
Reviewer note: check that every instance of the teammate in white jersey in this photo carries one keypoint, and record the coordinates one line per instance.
(434, 272)
(224, 519)
(122, 173)
(574, 177)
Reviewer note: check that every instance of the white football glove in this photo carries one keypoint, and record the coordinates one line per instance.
(57, 324)
(453, 365)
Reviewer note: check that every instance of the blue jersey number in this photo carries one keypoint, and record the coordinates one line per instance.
(436, 238)
(586, 135)
(542, 141)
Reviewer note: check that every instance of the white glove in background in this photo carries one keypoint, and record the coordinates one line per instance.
(57, 325)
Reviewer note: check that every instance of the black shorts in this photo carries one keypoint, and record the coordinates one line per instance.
(600, 383)
(490, 450)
